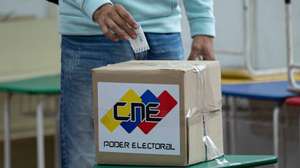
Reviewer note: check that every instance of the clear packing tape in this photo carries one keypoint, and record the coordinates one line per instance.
(211, 149)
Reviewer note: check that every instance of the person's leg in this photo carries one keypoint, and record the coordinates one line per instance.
(79, 55)
(164, 46)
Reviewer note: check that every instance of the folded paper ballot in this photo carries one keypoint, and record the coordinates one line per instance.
(165, 113)
(140, 44)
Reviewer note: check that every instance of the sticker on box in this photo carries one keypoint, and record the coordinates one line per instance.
(138, 118)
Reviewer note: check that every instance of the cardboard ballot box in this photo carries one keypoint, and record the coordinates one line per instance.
(158, 112)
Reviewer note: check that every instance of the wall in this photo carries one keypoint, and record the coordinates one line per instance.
(29, 47)
(268, 33)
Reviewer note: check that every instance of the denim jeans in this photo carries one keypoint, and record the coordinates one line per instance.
(79, 55)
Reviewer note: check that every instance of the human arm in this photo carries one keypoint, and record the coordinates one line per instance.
(202, 26)
(113, 19)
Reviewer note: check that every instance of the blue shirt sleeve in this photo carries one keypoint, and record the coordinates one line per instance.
(90, 6)
(201, 18)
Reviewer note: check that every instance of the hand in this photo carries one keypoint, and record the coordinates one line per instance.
(202, 48)
(115, 22)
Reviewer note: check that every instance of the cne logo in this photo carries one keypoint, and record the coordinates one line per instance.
(133, 111)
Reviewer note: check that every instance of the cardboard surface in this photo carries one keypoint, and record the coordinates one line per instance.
(123, 132)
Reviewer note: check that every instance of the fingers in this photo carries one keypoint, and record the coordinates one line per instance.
(202, 48)
(201, 53)
(129, 31)
(116, 29)
(112, 36)
(207, 54)
(108, 33)
(193, 56)
(116, 23)
(126, 16)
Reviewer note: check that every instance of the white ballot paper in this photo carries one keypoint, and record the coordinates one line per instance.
(139, 44)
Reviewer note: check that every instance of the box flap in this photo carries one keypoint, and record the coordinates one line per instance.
(154, 65)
